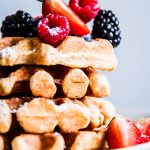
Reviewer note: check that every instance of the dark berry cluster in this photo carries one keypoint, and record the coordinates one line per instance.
(106, 26)
(19, 24)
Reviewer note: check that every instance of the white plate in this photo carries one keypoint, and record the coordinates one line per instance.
(145, 146)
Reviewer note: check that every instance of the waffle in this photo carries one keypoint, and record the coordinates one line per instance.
(88, 140)
(51, 97)
(8, 42)
(53, 141)
(74, 52)
(50, 82)
(2, 143)
(69, 115)
(5, 118)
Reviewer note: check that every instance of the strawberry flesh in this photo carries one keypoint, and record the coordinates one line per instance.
(122, 133)
(144, 127)
(77, 26)
(145, 138)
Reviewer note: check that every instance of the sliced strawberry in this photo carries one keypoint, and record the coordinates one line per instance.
(144, 126)
(145, 138)
(122, 133)
(86, 9)
(77, 26)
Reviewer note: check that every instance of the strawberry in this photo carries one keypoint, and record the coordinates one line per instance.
(144, 127)
(122, 133)
(145, 138)
(77, 26)
(86, 9)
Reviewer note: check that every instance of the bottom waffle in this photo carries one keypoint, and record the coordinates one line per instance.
(81, 140)
(30, 123)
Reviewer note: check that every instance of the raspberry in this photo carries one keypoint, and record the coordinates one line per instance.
(53, 29)
(86, 9)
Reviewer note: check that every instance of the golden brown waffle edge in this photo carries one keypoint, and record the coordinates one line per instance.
(90, 113)
(74, 52)
(50, 82)
(88, 140)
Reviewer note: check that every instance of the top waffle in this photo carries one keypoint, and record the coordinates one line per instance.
(74, 52)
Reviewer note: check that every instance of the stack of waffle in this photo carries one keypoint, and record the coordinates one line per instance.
(51, 98)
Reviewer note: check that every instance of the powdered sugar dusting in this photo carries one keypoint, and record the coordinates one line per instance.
(54, 31)
(6, 52)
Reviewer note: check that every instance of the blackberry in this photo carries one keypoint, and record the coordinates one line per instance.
(19, 24)
(106, 26)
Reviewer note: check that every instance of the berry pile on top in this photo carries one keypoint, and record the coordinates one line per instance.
(59, 20)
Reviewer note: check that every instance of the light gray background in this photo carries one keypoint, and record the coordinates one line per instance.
(130, 83)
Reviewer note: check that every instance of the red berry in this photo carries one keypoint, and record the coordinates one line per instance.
(53, 29)
(122, 133)
(77, 26)
(145, 138)
(144, 127)
(86, 9)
